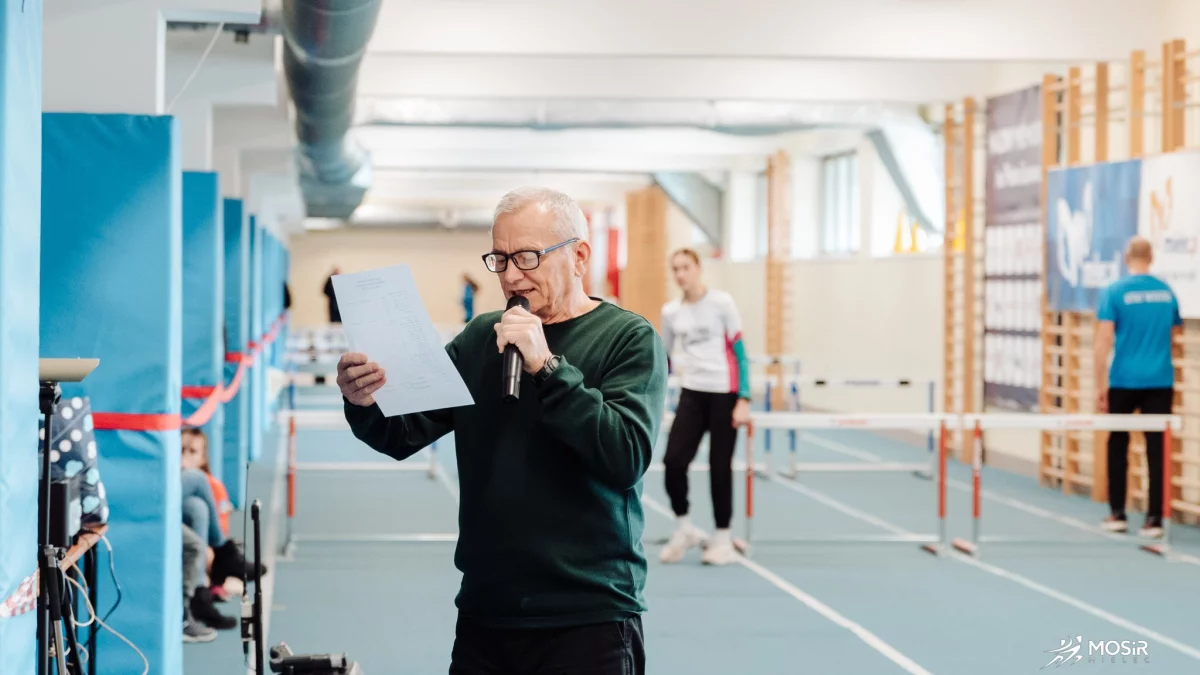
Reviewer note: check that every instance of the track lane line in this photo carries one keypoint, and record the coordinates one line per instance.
(1024, 581)
(872, 640)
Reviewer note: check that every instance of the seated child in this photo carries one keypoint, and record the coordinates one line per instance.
(207, 509)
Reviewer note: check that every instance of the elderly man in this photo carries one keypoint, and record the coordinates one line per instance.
(1137, 319)
(550, 516)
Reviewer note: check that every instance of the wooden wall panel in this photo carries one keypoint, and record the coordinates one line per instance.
(644, 279)
(778, 286)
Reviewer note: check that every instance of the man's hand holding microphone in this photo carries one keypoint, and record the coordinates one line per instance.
(359, 378)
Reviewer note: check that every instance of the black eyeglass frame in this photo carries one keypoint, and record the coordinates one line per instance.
(506, 257)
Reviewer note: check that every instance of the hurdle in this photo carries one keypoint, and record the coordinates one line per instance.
(793, 391)
(335, 420)
(930, 543)
(934, 543)
(1167, 424)
(795, 467)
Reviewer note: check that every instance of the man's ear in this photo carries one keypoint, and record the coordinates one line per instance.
(583, 255)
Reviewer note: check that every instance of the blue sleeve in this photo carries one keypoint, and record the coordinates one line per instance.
(1106, 311)
(1176, 320)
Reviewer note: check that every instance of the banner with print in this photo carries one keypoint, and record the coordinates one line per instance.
(1092, 213)
(1169, 217)
(1013, 252)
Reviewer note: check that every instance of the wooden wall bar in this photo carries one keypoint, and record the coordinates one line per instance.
(779, 242)
(1148, 105)
(963, 282)
(644, 279)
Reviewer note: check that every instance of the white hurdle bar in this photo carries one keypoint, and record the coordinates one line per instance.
(335, 420)
(931, 543)
(942, 422)
(1166, 424)
(795, 382)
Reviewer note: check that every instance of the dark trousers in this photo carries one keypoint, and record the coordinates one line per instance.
(699, 412)
(1126, 402)
(614, 648)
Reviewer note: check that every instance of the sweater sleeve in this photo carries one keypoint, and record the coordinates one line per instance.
(613, 425)
(402, 436)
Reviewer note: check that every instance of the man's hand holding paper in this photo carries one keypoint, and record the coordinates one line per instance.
(384, 317)
(358, 378)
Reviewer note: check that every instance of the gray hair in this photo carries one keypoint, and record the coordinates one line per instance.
(569, 221)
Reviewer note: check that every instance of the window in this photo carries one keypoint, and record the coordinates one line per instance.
(840, 227)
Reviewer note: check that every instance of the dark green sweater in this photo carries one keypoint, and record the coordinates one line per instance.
(550, 518)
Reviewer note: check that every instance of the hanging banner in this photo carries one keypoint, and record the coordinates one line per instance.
(1013, 252)
(1092, 214)
(1169, 216)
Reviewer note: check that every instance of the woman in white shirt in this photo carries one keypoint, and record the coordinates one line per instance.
(714, 375)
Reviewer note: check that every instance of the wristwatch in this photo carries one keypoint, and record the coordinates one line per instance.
(550, 366)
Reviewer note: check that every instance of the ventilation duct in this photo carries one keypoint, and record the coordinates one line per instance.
(324, 45)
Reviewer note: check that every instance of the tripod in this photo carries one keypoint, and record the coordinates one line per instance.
(50, 601)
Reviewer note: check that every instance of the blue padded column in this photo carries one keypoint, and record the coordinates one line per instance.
(258, 375)
(271, 312)
(20, 218)
(111, 288)
(237, 336)
(268, 310)
(204, 299)
(275, 296)
(274, 293)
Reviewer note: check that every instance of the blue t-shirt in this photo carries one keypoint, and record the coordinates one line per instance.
(1143, 310)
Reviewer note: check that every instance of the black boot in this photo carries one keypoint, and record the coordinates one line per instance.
(229, 562)
(203, 609)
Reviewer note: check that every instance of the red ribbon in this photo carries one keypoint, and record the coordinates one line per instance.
(213, 395)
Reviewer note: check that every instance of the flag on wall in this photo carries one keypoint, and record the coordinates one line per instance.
(1169, 216)
(1092, 213)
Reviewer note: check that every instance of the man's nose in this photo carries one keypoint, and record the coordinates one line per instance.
(511, 274)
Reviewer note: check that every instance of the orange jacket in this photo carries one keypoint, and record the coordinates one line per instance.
(224, 506)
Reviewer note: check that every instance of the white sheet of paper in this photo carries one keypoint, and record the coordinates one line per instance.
(384, 318)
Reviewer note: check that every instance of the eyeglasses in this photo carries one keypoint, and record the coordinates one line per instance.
(524, 260)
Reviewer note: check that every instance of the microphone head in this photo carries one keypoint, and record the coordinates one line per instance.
(518, 301)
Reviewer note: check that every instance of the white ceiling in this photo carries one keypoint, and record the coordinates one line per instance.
(434, 68)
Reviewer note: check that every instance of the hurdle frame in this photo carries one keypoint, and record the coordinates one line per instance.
(795, 467)
(1167, 424)
(930, 543)
(334, 420)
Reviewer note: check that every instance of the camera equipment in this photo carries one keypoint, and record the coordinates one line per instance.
(67, 508)
(50, 634)
(286, 663)
(252, 613)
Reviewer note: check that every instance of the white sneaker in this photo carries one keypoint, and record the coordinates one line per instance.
(684, 538)
(720, 549)
(1152, 529)
(1114, 524)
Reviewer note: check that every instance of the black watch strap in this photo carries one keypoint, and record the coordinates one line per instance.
(548, 368)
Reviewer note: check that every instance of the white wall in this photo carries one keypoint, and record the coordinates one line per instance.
(857, 317)
(438, 260)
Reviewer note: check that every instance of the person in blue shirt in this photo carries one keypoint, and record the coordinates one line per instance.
(1138, 319)
(470, 288)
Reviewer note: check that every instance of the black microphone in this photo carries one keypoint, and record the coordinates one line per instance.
(514, 362)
